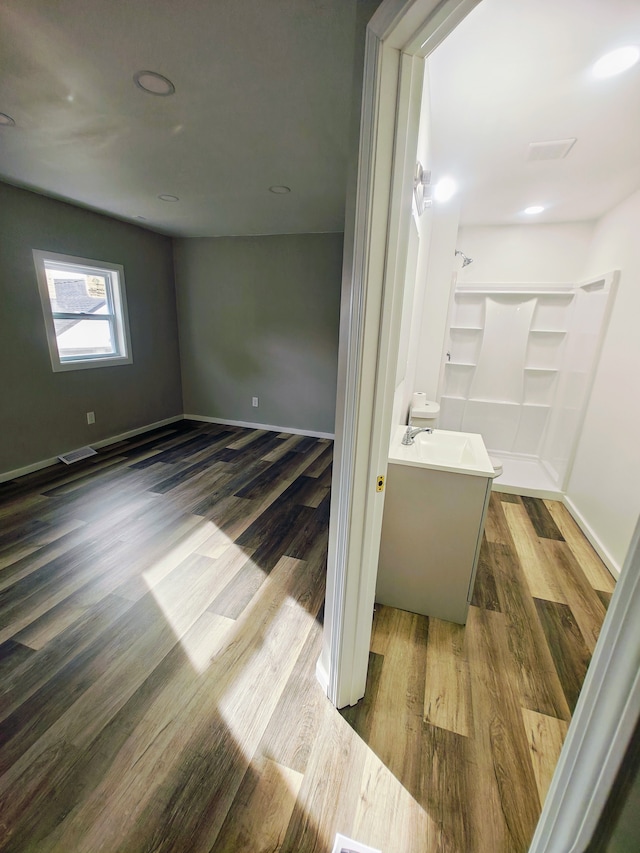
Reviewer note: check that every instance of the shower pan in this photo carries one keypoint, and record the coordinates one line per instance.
(519, 369)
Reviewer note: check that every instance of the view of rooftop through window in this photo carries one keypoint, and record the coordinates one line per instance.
(94, 285)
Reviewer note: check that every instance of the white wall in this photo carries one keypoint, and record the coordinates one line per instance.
(425, 317)
(414, 294)
(603, 487)
(438, 284)
(532, 253)
(406, 351)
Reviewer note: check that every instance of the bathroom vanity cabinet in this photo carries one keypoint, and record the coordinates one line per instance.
(431, 534)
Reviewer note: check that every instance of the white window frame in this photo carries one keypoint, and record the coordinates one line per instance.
(117, 314)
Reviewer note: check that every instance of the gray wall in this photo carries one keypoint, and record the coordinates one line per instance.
(625, 833)
(43, 413)
(259, 317)
(618, 829)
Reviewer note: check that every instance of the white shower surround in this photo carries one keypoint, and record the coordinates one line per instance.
(518, 368)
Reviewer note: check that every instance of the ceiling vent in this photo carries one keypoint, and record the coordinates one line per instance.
(557, 149)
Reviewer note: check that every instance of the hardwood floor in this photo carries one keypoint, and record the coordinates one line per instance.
(478, 752)
(160, 622)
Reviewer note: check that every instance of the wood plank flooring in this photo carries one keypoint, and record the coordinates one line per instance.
(498, 692)
(160, 621)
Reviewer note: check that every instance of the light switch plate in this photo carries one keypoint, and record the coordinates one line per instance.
(342, 844)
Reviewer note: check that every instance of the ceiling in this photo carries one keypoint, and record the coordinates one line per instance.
(518, 71)
(262, 98)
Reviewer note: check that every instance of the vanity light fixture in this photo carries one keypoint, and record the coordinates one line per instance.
(533, 210)
(153, 83)
(165, 197)
(279, 190)
(422, 188)
(6, 121)
(445, 189)
(615, 62)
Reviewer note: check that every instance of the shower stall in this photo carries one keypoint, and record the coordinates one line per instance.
(518, 367)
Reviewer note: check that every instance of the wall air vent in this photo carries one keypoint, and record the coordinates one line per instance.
(557, 149)
(77, 455)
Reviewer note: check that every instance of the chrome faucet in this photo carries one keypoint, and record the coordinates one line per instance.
(411, 433)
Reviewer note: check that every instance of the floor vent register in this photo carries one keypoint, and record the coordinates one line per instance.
(342, 844)
(77, 455)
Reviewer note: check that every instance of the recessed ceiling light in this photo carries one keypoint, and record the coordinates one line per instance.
(6, 120)
(153, 83)
(168, 198)
(445, 189)
(616, 62)
(279, 190)
(533, 210)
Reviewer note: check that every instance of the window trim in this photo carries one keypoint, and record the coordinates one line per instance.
(117, 317)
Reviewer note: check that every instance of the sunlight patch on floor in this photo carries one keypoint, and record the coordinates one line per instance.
(204, 640)
(270, 636)
(161, 568)
(182, 601)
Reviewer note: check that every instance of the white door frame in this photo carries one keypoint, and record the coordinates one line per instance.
(399, 35)
(400, 32)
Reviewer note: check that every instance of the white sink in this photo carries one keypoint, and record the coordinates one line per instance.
(443, 450)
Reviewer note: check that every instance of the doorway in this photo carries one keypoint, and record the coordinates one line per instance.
(368, 363)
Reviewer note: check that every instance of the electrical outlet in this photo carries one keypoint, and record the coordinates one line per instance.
(91, 417)
(254, 402)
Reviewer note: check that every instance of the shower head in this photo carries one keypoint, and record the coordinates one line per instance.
(465, 260)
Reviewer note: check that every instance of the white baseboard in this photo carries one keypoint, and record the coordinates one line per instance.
(28, 469)
(586, 528)
(269, 427)
(133, 432)
(323, 676)
(114, 439)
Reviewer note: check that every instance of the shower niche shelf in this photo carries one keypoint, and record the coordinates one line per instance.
(469, 310)
(486, 401)
(561, 292)
(544, 349)
(539, 385)
(458, 378)
(466, 342)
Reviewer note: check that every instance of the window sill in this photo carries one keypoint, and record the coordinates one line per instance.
(90, 363)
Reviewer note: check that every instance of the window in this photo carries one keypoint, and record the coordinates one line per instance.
(85, 311)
